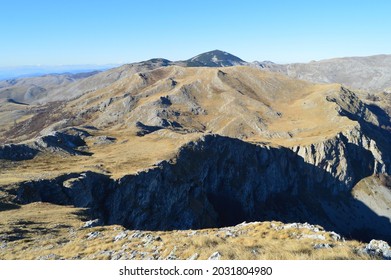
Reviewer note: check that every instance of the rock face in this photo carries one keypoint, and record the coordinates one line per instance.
(56, 142)
(218, 181)
(82, 190)
(17, 152)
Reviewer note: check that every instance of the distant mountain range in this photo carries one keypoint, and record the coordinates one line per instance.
(371, 73)
(360, 73)
(214, 58)
(34, 71)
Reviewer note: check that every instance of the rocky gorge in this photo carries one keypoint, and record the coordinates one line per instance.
(219, 181)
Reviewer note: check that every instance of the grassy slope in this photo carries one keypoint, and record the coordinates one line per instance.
(41, 230)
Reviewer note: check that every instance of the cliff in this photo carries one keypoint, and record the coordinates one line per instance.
(219, 181)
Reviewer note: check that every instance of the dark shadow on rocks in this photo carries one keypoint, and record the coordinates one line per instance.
(5, 206)
(341, 213)
(382, 116)
(86, 190)
(17, 152)
(228, 209)
(381, 134)
(146, 129)
(58, 142)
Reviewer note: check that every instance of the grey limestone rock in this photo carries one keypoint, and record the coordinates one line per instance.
(193, 257)
(49, 257)
(93, 235)
(335, 236)
(378, 248)
(215, 256)
(322, 246)
(92, 223)
(120, 236)
(171, 255)
(314, 236)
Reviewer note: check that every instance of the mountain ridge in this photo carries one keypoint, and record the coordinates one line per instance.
(365, 75)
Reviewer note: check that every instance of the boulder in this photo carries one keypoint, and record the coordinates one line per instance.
(378, 248)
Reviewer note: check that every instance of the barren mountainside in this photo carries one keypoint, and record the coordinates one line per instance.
(164, 146)
(369, 73)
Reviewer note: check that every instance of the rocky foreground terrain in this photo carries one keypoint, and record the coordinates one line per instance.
(168, 159)
(56, 232)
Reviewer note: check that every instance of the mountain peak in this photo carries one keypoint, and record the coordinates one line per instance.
(215, 58)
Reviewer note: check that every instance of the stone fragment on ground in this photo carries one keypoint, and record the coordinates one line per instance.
(215, 256)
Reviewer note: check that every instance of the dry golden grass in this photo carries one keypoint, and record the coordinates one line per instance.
(131, 153)
(41, 230)
(310, 119)
(36, 227)
(243, 103)
(127, 155)
(256, 106)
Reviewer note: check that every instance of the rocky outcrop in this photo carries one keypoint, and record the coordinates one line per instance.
(371, 132)
(17, 152)
(55, 142)
(60, 142)
(349, 156)
(219, 181)
(378, 248)
(86, 190)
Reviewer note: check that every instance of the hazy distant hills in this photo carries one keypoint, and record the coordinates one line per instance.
(54, 87)
(33, 88)
(365, 74)
(33, 71)
(370, 73)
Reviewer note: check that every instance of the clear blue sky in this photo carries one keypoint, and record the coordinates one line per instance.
(118, 31)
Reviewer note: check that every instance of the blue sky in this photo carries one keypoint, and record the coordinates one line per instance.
(117, 31)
